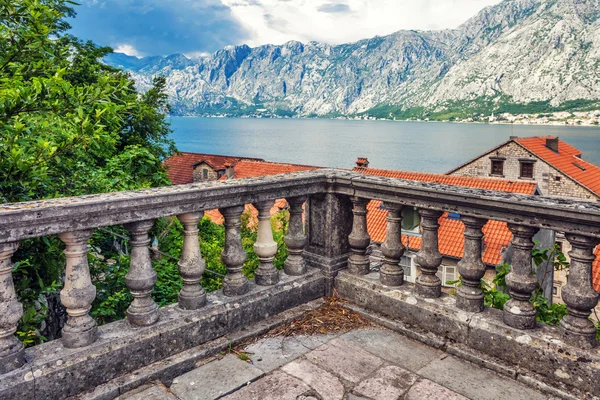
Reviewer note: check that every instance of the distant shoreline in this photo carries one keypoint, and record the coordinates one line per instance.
(550, 123)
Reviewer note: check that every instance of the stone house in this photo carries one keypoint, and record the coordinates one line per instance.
(557, 167)
(188, 167)
(559, 171)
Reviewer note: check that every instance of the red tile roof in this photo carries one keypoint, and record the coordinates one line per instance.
(216, 217)
(252, 169)
(180, 166)
(502, 185)
(450, 235)
(567, 160)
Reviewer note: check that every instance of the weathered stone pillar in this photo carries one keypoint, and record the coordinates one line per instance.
(78, 293)
(469, 296)
(328, 225)
(359, 239)
(391, 273)
(518, 311)
(579, 294)
(141, 278)
(265, 247)
(233, 255)
(429, 258)
(191, 265)
(295, 239)
(12, 355)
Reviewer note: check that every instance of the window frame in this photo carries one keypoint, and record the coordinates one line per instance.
(525, 164)
(493, 163)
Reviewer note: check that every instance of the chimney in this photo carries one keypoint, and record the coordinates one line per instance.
(513, 137)
(229, 173)
(362, 162)
(552, 143)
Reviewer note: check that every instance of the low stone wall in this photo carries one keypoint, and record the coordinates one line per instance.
(538, 351)
(56, 372)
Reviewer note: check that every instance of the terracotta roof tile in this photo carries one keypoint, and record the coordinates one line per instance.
(566, 160)
(180, 166)
(450, 235)
(252, 169)
(216, 217)
(502, 185)
(451, 239)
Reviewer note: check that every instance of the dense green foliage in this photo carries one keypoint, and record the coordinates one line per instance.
(496, 294)
(480, 107)
(110, 267)
(69, 125)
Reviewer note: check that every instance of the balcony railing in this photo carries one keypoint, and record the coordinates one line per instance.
(333, 238)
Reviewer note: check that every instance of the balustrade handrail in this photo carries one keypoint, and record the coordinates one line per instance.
(326, 243)
(45, 217)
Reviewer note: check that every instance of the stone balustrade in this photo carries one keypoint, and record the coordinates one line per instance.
(334, 237)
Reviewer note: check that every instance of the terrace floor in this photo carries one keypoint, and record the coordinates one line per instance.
(368, 363)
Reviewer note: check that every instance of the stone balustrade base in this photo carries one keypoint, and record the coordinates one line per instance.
(55, 372)
(535, 355)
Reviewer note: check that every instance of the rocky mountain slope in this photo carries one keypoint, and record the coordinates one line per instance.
(517, 52)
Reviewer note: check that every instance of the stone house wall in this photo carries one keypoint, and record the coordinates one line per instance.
(551, 182)
(198, 174)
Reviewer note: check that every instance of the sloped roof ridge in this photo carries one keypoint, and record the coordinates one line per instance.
(280, 163)
(219, 155)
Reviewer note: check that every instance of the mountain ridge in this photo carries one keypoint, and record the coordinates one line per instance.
(544, 52)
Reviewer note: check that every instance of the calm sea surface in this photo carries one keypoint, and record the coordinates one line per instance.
(413, 146)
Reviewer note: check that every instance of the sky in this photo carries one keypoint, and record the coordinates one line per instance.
(200, 27)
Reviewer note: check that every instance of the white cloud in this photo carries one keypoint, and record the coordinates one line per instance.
(128, 49)
(341, 21)
(197, 54)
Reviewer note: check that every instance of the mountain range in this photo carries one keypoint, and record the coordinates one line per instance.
(519, 55)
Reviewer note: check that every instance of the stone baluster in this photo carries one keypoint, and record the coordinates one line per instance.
(141, 278)
(429, 258)
(233, 255)
(469, 296)
(12, 355)
(191, 265)
(78, 293)
(265, 247)
(295, 239)
(359, 239)
(391, 273)
(518, 311)
(579, 294)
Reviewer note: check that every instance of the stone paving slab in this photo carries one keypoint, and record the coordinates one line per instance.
(271, 353)
(215, 379)
(426, 389)
(276, 386)
(397, 349)
(154, 392)
(325, 384)
(388, 383)
(345, 359)
(475, 382)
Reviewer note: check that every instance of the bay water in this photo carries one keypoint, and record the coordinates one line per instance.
(411, 146)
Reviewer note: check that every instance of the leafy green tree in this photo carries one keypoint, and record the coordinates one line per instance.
(69, 125)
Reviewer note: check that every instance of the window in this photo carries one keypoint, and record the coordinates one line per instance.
(447, 274)
(526, 170)
(410, 220)
(406, 264)
(204, 173)
(497, 167)
(554, 291)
